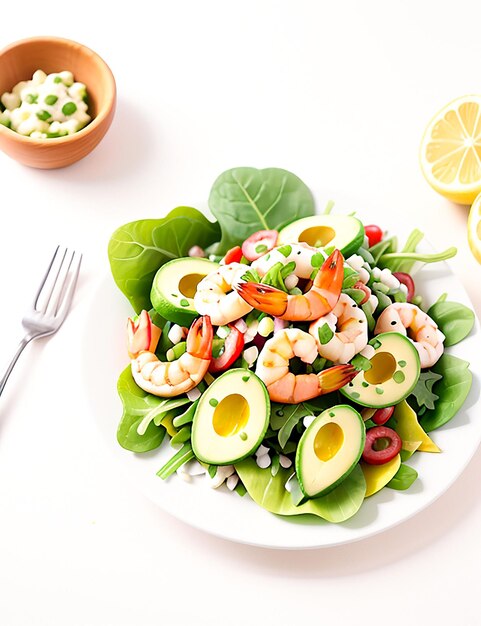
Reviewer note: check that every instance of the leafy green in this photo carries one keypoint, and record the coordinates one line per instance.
(269, 492)
(403, 479)
(357, 295)
(383, 247)
(136, 250)
(292, 415)
(423, 391)
(137, 405)
(246, 200)
(455, 320)
(325, 333)
(351, 277)
(184, 455)
(452, 389)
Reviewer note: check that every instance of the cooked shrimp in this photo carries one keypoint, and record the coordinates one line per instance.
(304, 256)
(215, 295)
(169, 378)
(318, 301)
(409, 320)
(283, 386)
(349, 325)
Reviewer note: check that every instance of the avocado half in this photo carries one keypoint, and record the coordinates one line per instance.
(329, 449)
(231, 418)
(174, 286)
(394, 372)
(344, 232)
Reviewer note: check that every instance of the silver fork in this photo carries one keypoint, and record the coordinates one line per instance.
(51, 303)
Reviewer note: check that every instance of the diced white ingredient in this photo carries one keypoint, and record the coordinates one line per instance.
(10, 101)
(355, 261)
(67, 77)
(279, 324)
(241, 326)
(263, 461)
(17, 90)
(266, 326)
(307, 421)
(195, 250)
(232, 481)
(193, 394)
(38, 77)
(373, 302)
(285, 461)
(291, 281)
(223, 332)
(376, 273)
(251, 331)
(261, 450)
(31, 124)
(388, 279)
(176, 334)
(365, 243)
(194, 468)
(404, 288)
(364, 275)
(223, 472)
(38, 135)
(251, 354)
(183, 474)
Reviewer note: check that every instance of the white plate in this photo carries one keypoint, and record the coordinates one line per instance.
(227, 515)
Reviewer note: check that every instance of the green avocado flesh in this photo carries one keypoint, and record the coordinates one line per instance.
(344, 232)
(174, 287)
(394, 372)
(231, 418)
(329, 449)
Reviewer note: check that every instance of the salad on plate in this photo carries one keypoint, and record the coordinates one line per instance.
(284, 353)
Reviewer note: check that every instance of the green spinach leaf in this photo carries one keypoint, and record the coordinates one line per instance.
(403, 479)
(246, 200)
(137, 249)
(452, 389)
(137, 405)
(269, 492)
(455, 320)
(423, 391)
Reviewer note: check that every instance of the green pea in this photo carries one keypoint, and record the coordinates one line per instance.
(57, 80)
(43, 115)
(261, 248)
(213, 402)
(31, 98)
(398, 377)
(184, 302)
(69, 108)
(243, 436)
(379, 390)
(51, 99)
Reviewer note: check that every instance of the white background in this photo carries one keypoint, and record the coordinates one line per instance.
(340, 94)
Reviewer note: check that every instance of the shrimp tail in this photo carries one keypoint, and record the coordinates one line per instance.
(199, 338)
(264, 298)
(336, 377)
(142, 335)
(328, 281)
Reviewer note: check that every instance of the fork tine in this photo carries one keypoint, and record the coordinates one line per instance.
(69, 287)
(60, 284)
(44, 279)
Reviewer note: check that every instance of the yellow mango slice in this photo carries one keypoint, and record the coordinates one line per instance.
(378, 476)
(410, 431)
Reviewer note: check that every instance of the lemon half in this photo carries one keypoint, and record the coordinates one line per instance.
(474, 228)
(451, 150)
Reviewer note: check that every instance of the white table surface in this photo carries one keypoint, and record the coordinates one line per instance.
(339, 93)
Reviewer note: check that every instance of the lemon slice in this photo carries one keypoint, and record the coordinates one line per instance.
(451, 150)
(474, 228)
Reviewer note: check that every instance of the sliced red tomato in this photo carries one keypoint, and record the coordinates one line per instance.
(233, 345)
(234, 255)
(362, 287)
(374, 234)
(406, 279)
(374, 437)
(381, 416)
(259, 243)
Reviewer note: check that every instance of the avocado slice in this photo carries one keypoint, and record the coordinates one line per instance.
(344, 232)
(393, 374)
(329, 449)
(174, 287)
(231, 418)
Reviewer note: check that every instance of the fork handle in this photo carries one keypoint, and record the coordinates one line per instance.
(26, 340)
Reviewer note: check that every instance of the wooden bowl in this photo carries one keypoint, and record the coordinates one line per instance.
(19, 60)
